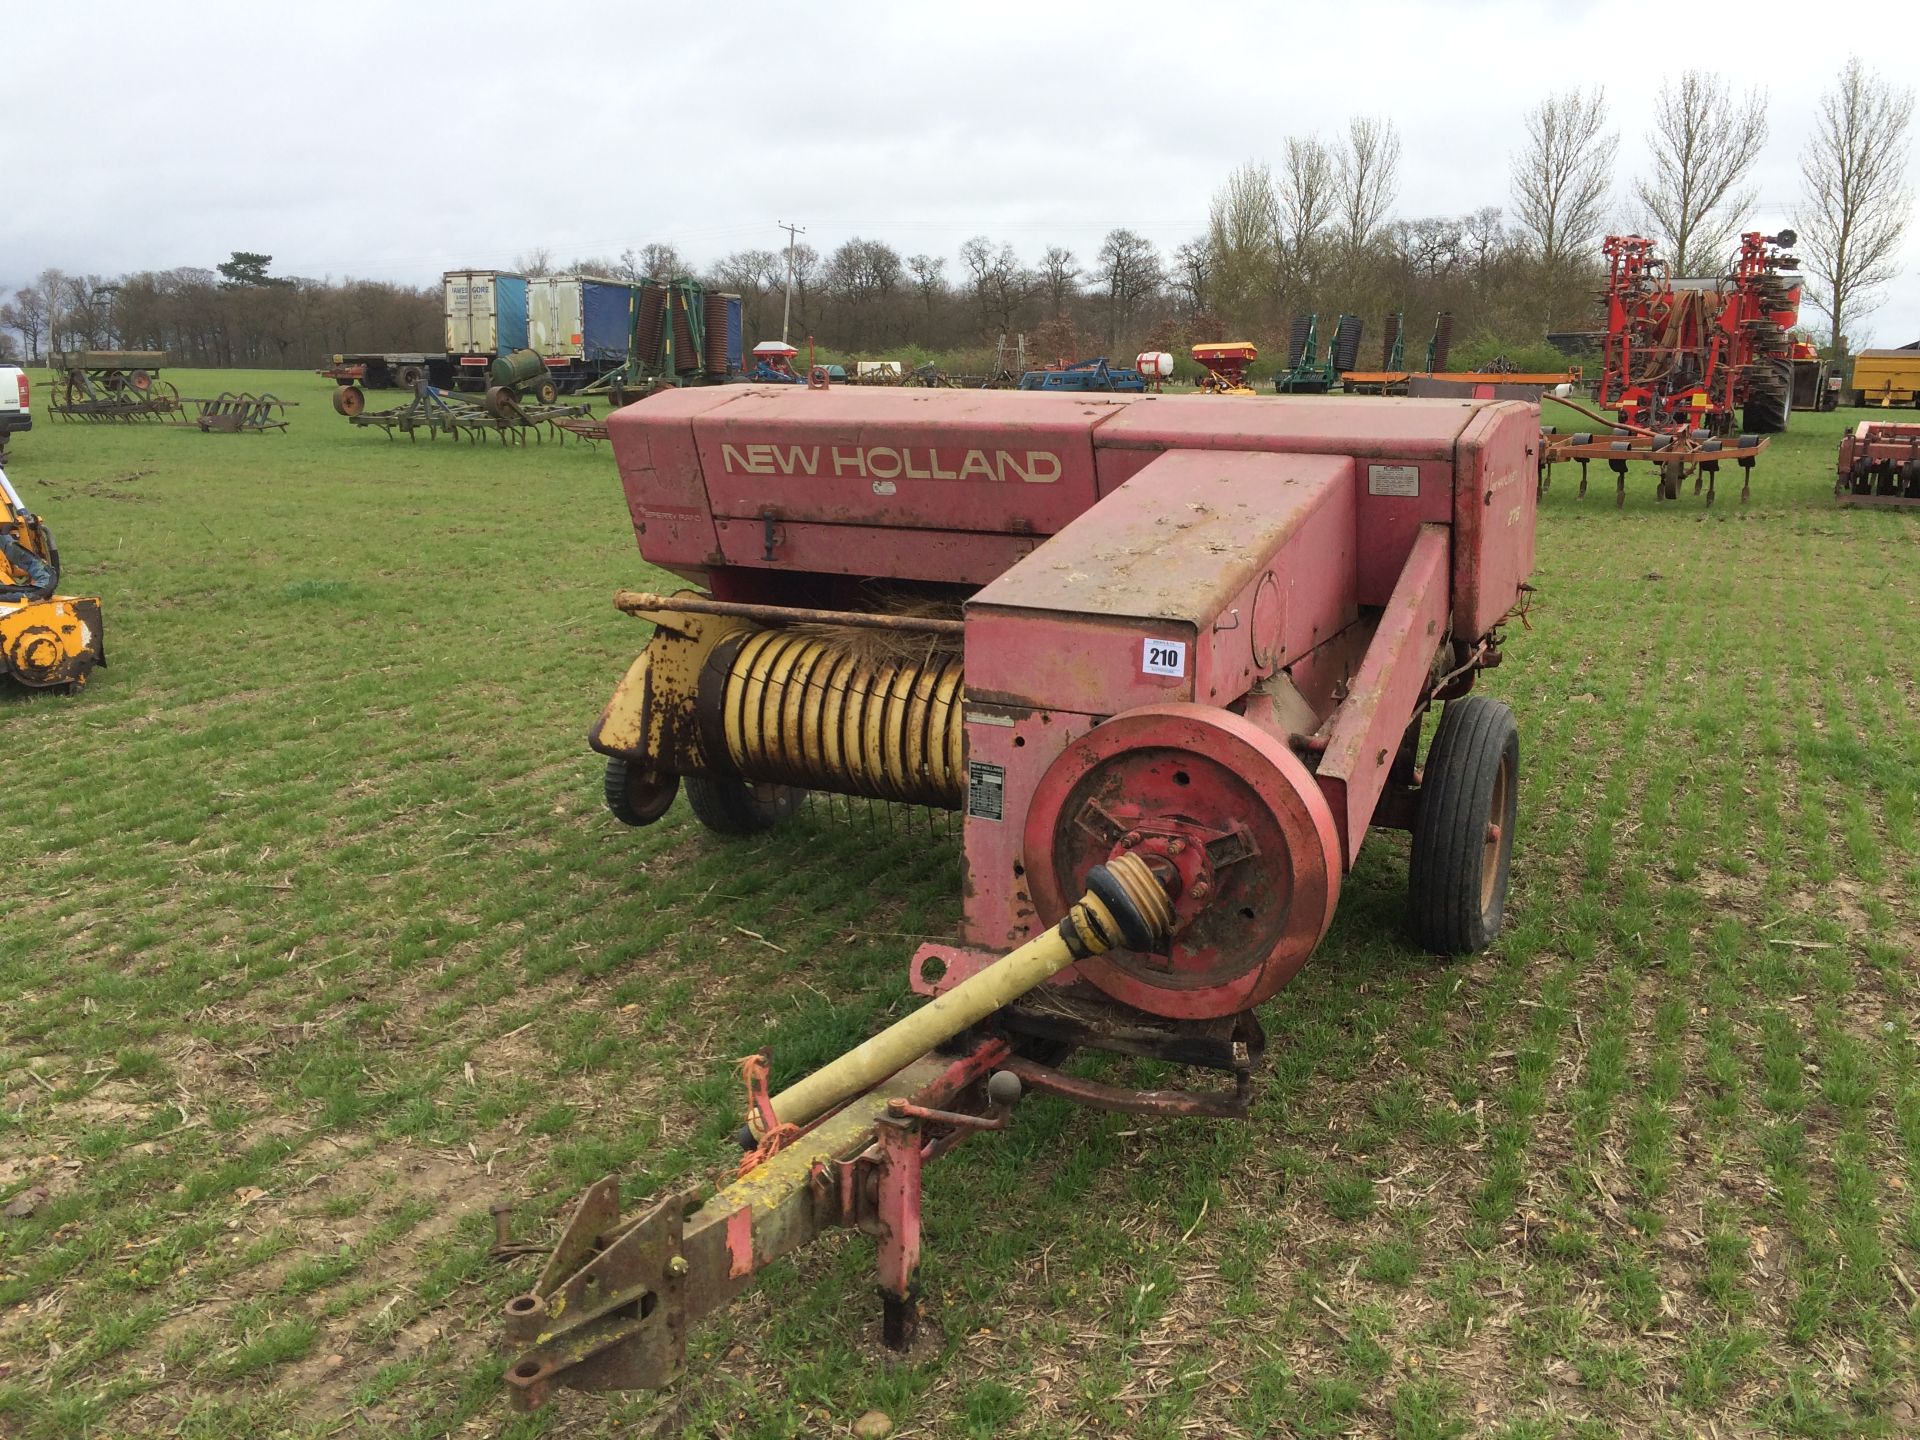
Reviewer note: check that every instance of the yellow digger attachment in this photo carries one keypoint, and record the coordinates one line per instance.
(45, 638)
(56, 641)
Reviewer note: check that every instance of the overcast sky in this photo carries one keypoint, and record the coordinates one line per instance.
(395, 141)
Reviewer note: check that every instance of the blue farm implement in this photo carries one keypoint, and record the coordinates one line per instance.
(1094, 374)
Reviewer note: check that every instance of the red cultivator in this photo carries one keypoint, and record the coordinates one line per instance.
(1683, 357)
(1169, 657)
(1696, 453)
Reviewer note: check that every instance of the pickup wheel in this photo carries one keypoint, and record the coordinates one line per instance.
(738, 807)
(636, 795)
(1463, 833)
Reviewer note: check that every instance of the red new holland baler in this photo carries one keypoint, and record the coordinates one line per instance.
(1168, 656)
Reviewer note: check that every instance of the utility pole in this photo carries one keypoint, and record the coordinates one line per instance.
(786, 315)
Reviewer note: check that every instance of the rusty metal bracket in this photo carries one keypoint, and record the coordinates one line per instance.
(774, 1135)
(1219, 1105)
(612, 1308)
(618, 1321)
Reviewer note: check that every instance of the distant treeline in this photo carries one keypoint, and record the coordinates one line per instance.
(203, 317)
(863, 298)
(1311, 230)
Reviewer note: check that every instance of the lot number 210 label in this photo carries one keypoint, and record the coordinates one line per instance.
(1164, 657)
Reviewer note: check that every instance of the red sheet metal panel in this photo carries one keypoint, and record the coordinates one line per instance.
(1366, 733)
(1008, 749)
(1307, 425)
(1153, 595)
(653, 446)
(1495, 498)
(1405, 452)
(980, 461)
(956, 556)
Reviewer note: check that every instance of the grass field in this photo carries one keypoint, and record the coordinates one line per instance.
(317, 942)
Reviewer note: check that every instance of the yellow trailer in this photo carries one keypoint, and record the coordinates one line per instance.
(1886, 377)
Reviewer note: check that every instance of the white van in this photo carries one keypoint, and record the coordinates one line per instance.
(16, 411)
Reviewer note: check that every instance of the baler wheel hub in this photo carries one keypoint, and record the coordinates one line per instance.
(1258, 857)
(1492, 855)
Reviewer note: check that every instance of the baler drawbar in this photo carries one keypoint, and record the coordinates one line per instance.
(1170, 657)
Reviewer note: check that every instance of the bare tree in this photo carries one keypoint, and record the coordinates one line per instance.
(806, 282)
(1704, 144)
(1059, 277)
(28, 315)
(1562, 174)
(1369, 178)
(1856, 201)
(535, 262)
(864, 274)
(1432, 247)
(1192, 273)
(1486, 242)
(1306, 200)
(84, 306)
(51, 286)
(1129, 267)
(929, 274)
(750, 271)
(1001, 286)
(1243, 236)
(654, 261)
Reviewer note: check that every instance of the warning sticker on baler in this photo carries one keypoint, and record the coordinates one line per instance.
(1393, 480)
(986, 790)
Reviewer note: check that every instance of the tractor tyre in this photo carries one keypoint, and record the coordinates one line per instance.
(739, 807)
(1463, 832)
(1767, 409)
(636, 795)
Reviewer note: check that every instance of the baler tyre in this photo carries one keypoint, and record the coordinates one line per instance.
(737, 807)
(1463, 833)
(634, 795)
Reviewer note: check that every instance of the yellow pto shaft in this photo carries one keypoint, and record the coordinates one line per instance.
(1125, 904)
